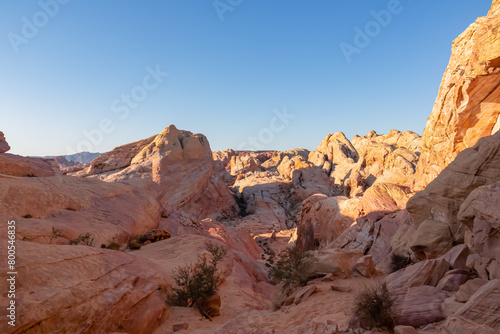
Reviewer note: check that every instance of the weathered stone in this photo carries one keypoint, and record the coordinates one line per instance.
(483, 306)
(179, 327)
(453, 279)
(418, 306)
(459, 325)
(427, 272)
(4, 147)
(466, 108)
(466, 290)
(364, 267)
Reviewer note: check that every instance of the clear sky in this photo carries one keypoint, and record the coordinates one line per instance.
(94, 74)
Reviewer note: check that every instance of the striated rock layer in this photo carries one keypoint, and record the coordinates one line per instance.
(467, 107)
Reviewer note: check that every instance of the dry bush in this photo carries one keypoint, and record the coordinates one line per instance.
(83, 239)
(374, 308)
(399, 262)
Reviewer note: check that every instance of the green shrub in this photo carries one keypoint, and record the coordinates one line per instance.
(83, 239)
(290, 268)
(374, 308)
(198, 281)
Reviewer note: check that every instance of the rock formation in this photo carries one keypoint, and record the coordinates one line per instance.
(181, 167)
(435, 210)
(466, 108)
(4, 146)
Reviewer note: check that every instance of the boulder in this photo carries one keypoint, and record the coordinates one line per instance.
(468, 289)
(427, 272)
(453, 279)
(364, 267)
(323, 219)
(457, 256)
(210, 306)
(483, 306)
(386, 197)
(419, 305)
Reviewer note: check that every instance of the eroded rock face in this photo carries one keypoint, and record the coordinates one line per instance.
(61, 208)
(78, 289)
(323, 219)
(4, 146)
(179, 162)
(483, 307)
(480, 212)
(16, 165)
(356, 165)
(440, 202)
(467, 107)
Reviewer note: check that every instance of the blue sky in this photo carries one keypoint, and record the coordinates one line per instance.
(93, 74)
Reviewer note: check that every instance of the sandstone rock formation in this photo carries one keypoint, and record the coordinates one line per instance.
(78, 289)
(179, 163)
(16, 165)
(4, 146)
(435, 210)
(466, 108)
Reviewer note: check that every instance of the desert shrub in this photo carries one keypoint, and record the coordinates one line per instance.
(112, 245)
(56, 233)
(198, 281)
(83, 239)
(374, 308)
(289, 268)
(399, 262)
(134, 242)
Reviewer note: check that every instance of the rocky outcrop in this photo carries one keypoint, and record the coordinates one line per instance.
(4, 146)
(16, 165)
(435, 210)
(80, 289)
(61, 208)
(480, 213)
(483, 307)
(323, 219)
(466, 108)
(356, 165)
(179, 163)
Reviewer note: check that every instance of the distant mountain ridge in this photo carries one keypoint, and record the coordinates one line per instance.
(81, 157)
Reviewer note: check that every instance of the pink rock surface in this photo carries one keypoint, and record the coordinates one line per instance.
(77, 289)
(483, 306)
(16, 165)
(466, 108)
(418, 306)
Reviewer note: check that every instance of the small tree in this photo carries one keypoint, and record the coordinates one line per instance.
(198, 281)
(290, 268)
